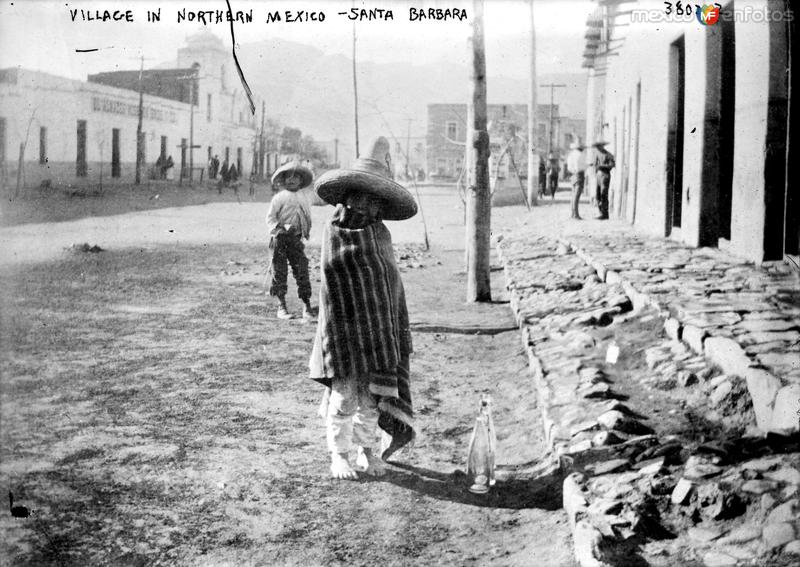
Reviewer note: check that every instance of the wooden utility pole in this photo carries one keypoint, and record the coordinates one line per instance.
(408, 141)
(355, 88)
(139, 134)
(260, 172)
(479, 208)
(533, 158)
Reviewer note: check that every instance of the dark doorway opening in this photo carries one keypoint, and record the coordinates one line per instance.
(163, 152)
(115, 168)
(727, 113)
(792, 191)
(675, 110)
(776, 164)
(80, 160)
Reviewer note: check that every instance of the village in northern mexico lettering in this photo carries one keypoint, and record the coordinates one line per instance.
(207, 17)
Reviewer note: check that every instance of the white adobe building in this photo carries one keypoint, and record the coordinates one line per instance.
(74, 132)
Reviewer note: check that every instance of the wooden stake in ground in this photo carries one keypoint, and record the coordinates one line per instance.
(479, 207)
(533, 159)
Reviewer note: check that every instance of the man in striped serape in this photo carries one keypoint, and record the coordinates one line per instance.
(363, 342)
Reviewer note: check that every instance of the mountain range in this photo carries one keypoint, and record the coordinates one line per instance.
(313, 91)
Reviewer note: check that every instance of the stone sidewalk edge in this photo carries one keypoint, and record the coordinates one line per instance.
(774, 403)
(586, 537)
(763, 386)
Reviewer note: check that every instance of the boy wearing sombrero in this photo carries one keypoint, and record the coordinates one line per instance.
(289, 222)
(363, 342)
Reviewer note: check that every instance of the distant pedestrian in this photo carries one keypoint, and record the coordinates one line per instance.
(289, 222)
(169, 172)
(603, 164)
(552, 174)
(161, 166)
(233, 178)
(576, 163)
(224, 176)
(542, 176)
(363, 342)
(213, 167)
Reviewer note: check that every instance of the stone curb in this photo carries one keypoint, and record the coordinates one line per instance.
(585, 535)
(581, 500)
(773, 399)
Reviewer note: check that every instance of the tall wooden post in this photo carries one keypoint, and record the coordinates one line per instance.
(139, 134)
(533, 158)
(355, 90)
(479, 208)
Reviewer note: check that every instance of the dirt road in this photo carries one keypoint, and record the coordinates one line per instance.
(154, 412)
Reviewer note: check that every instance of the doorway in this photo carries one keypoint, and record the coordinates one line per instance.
(727, 113)
(80, 160)
(115, 167)
(675, 111)
(791, 236)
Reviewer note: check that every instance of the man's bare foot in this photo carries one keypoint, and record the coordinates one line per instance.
(370, 463)
(340, 468)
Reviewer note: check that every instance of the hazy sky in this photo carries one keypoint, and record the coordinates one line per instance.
(38, 34)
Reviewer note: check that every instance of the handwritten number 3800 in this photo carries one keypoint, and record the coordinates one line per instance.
(687, 11)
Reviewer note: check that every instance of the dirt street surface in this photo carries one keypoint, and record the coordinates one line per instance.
(155, 412)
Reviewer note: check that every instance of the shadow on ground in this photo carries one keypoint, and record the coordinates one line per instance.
(516, 491)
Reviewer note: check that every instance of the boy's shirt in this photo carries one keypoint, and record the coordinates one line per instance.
(291, 208)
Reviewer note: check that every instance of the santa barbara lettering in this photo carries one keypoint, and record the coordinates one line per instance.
(362, 14)
(101, 15)
(438, 14)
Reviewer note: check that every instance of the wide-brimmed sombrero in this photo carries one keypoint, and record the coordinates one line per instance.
(600, 143)
(292, 167)
(371, 174)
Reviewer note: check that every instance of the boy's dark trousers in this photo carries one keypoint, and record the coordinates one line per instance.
(289, 251)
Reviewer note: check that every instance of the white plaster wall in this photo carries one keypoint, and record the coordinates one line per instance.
(752, 82)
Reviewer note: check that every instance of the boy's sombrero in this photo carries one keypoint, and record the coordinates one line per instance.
(293, 167)
(371, 174)
(600, 143)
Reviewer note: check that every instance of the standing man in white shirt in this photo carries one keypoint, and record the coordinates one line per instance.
(576, 163)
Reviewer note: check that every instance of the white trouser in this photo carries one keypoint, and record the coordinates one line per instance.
(352, 417)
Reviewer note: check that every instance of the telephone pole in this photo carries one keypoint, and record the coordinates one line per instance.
(479, 207)
(552, 87)
(533, 159)
(408, 140)
(139, 140)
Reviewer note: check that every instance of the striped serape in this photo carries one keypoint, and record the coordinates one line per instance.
(363, 329)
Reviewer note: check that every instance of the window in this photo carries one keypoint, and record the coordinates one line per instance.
(115, 151)
(80, 160)
(42, 145)
(208, 107)
(452, 128)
